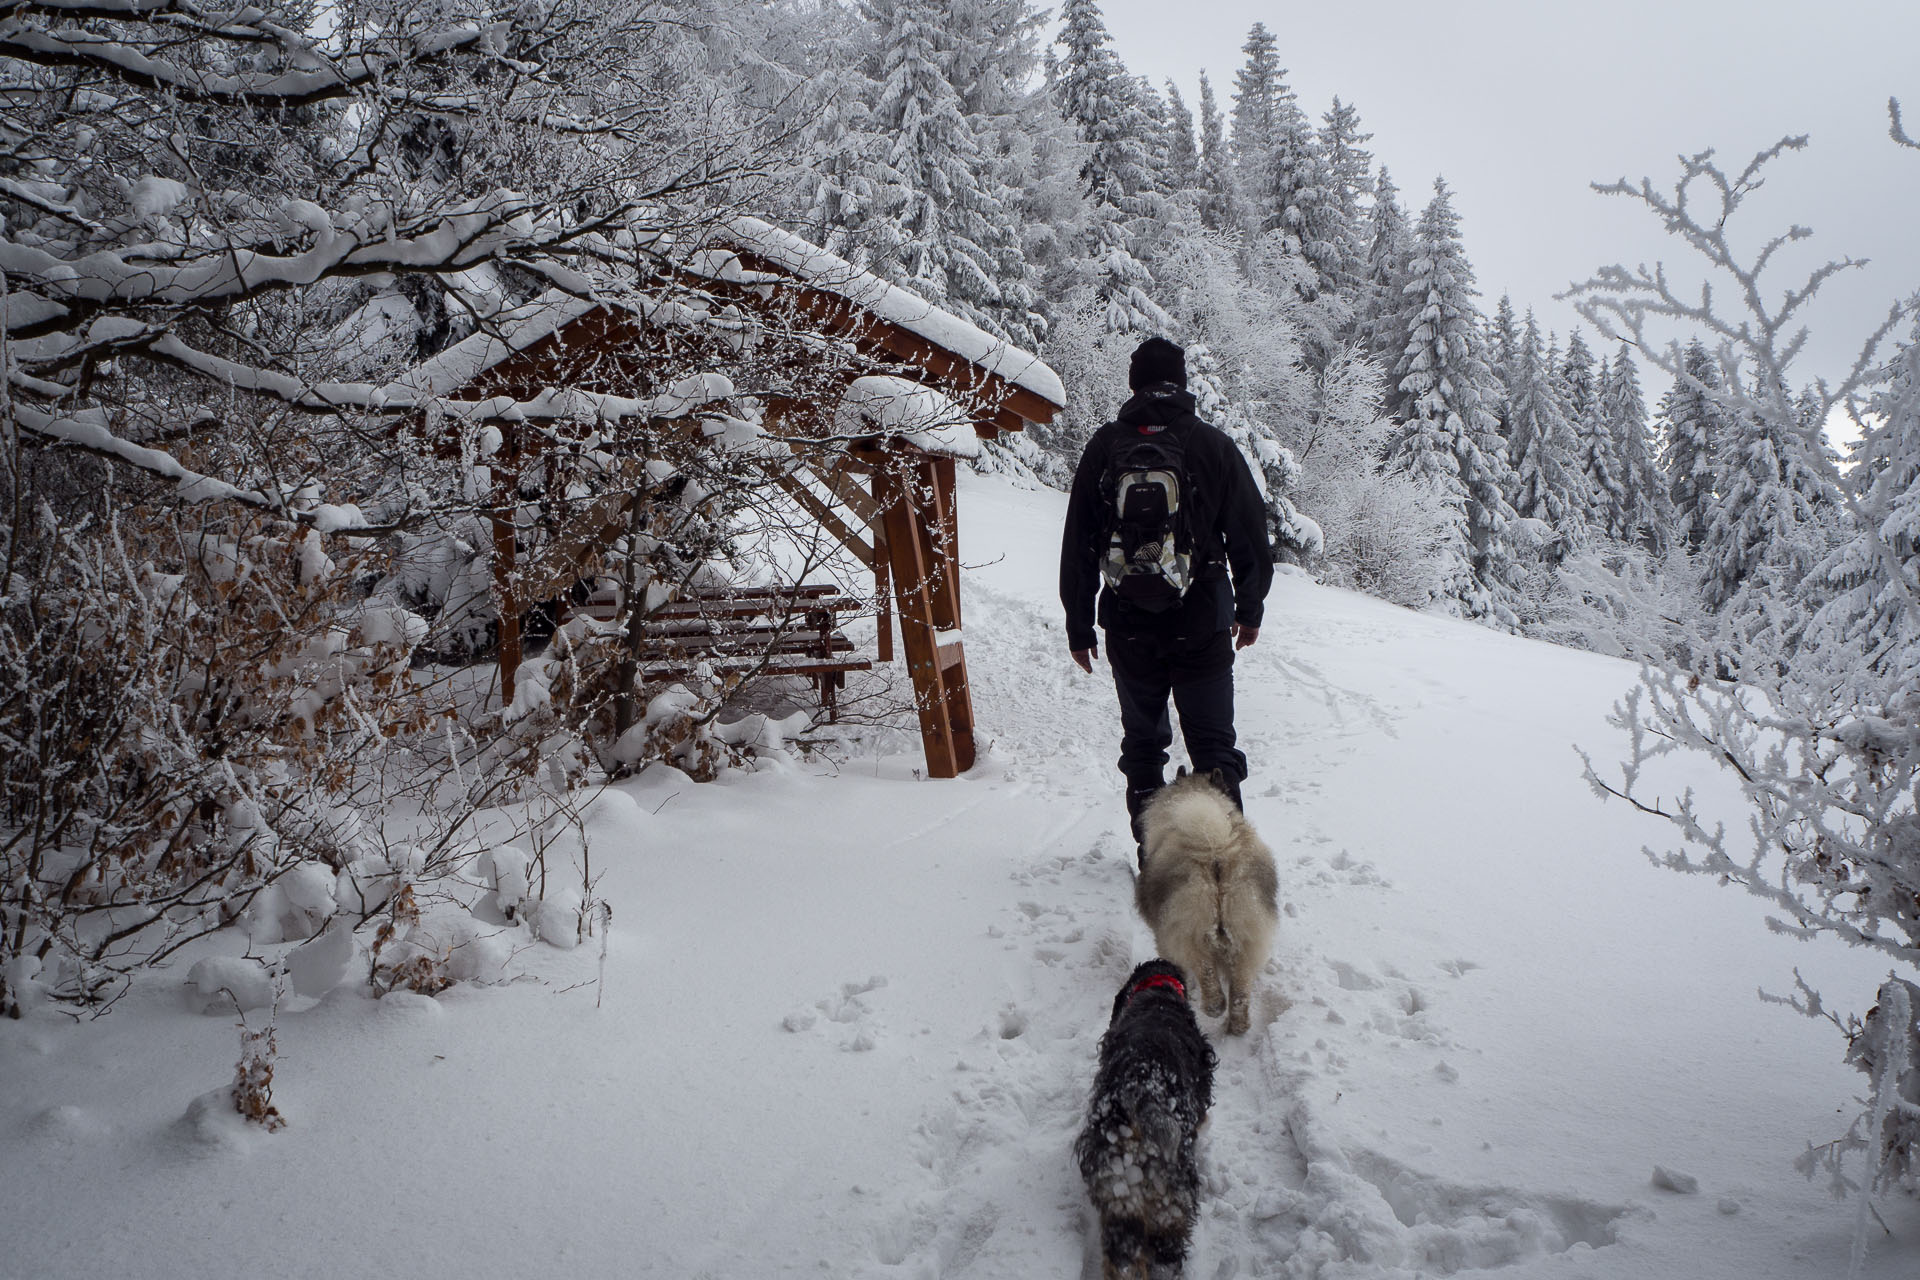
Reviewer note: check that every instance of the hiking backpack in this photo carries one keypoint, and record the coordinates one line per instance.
(1149, 553)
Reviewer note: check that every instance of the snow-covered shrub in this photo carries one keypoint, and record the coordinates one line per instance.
(1621, 600)
(1384, 535)
(1818, 724)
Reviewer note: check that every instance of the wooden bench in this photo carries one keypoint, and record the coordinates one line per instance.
(748, 631)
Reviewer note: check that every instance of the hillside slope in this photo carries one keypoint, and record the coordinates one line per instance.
(848, 1018)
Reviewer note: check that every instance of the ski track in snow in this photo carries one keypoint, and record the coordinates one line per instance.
(1287, 1194)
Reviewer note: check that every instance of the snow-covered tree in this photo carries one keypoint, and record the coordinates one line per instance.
(1257, 87)
(1218, 207)
(953, 234)
(223, 236)
(1547, 483)
(1102, 101)
(1183, 148)
(1380, 311)
(1768, 527)
(1822, 739)
(1639, 514)
(1350, 183)
(1692, 427)
(1451, 438)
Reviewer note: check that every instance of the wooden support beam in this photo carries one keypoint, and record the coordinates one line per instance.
(882, 566)
(825, 514)
(943, 539)
(917, 632)
(505, 592)
(939, 680)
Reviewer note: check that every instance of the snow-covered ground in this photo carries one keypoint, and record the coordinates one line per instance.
(848, 1017)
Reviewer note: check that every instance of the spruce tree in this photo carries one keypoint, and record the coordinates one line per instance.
(1102, 101)
(1692, 428)
(1256, 87)
(1183, 152)
(946, 213)
(1350, 182)
(1767, 529)
(1218, 209)
(1451, 439)
(1546, 483)
(1642, 513)
(1595, 454)
(1870, 585)
(1381, 306)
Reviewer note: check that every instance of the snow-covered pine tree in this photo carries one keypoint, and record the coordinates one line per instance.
(1576, 375)
(1641, 515)
(1298, 200)
(1218, 207)
(1503, 355)
(1451, 439)
(990, 55)
(1770, 522)
(1381, 306)
(1256, 88)
(1102, 101)
(1350, 183)
(839, 184)
(1183, 150)
(1693, 426)
(1865, 591)
(1595, 455)
(1547, 485)
(1504, 332)
(951, 230)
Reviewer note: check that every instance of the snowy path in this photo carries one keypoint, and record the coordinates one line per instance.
(848, 1022)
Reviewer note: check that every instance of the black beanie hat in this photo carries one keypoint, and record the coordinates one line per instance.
(1157, 360)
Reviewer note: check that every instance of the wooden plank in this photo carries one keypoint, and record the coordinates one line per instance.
(839, 479)
(943, 536)
(882, 567)
(671, 669)
(828, 518)
(911, 588)
(953, 676)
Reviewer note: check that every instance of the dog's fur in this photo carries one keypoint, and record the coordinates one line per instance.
(1150, 1096)
(1209, 892)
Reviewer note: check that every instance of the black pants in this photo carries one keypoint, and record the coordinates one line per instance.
(1197, 671)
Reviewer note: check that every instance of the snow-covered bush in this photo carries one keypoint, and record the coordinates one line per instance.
(1819, 726)
(220, 240)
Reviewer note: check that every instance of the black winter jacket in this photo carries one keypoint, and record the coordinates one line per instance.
(1229, 524)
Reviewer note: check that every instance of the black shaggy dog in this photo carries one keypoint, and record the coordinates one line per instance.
(1153, 1089)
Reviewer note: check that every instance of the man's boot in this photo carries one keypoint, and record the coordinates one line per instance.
(1137, 798)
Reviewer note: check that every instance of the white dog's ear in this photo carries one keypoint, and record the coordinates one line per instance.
(1180, 772)
(1218, 777)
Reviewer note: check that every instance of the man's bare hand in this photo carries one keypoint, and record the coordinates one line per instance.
(1244, 636)
(1083, 658)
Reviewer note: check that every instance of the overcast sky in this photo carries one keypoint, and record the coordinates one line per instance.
(1520, 104)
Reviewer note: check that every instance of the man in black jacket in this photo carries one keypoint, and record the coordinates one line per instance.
(1186, 650)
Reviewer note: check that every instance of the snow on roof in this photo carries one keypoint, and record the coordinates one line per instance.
(890, 302)
(512, 330)
(917, 414)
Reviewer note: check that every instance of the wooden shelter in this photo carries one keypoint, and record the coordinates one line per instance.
(898, 487)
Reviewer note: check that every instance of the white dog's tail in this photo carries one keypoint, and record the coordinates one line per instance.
(1222, 936)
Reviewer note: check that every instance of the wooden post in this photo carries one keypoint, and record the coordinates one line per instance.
(884, 497)
(928, 599)
(507, 500)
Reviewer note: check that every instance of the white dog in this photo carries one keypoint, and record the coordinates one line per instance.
(1209, 892)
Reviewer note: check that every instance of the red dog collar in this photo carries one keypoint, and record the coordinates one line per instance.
(1159, 980)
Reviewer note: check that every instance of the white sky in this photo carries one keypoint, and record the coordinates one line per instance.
(1520, 104)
